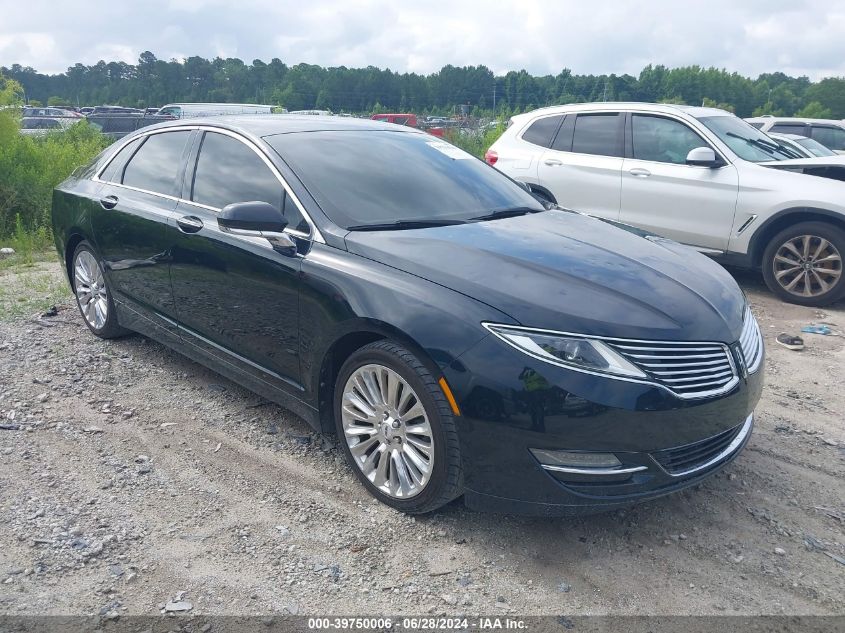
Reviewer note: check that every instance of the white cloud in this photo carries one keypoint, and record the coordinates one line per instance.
(751, 37)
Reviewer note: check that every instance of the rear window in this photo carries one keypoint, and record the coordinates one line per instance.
(114, 172)
(154, 166)
(362, 178)
(542, 131)
(597, 134)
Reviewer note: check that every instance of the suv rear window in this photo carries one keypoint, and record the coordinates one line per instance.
(542, 131)
(597, 134)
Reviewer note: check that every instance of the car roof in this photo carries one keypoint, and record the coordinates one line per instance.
(261, 125)
(665, 108)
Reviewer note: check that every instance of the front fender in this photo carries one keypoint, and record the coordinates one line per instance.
(344, 293)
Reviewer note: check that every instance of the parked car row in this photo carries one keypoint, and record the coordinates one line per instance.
(700, 176)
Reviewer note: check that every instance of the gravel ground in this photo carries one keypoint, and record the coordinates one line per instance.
(133, 481)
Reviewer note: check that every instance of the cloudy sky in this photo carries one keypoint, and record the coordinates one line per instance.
(800, 37)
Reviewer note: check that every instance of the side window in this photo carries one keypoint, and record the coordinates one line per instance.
(113, 172)
(542, 131)
(757, 124)
(789, 128)
(597, 134)
(155, 165)
(228, 171)
(831, 137)
(663, 140)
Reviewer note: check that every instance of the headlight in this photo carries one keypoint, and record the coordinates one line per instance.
(567, 350)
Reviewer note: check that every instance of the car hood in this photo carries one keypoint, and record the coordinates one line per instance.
(565, 271)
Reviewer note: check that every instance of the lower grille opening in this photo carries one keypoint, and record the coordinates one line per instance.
(685, 458)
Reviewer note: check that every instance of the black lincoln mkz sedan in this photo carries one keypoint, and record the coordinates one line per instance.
(460, 337)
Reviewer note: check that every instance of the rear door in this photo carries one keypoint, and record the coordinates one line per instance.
(237, 298)
(130, 222)
(583, 166)
(661, 193)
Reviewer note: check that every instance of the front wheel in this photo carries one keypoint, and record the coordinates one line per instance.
(803, 264)
(397, 429)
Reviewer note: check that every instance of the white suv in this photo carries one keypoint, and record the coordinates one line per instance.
(700, 176)
(828, 132)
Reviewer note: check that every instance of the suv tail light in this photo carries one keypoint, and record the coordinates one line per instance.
(491, 157)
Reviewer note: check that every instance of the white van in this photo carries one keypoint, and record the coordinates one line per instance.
(189, 110)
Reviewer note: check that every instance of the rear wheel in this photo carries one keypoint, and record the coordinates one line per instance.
(397, 429)
(92, 294)
(803, 264)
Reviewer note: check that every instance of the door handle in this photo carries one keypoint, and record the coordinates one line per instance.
(109, 202)
(639, 172)
(189, 224)
(553, 162)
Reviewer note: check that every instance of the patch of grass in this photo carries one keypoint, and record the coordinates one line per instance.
(31, 288)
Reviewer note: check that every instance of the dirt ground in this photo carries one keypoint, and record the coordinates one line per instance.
(131, 477)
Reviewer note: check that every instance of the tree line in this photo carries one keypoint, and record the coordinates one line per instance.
(154, 82)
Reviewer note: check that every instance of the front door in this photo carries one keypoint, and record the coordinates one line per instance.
(236, 297)
(661, 193)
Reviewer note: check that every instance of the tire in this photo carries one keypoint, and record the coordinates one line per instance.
(93, 298)
(375, 367)
(817, 277)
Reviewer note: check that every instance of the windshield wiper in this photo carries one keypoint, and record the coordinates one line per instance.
(767, 146)
(405, 224)
(505, 213)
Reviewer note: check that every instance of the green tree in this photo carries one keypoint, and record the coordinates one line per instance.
(815, 110)
(11, 92)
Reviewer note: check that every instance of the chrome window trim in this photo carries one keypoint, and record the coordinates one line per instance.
(491, 327)
(314, 234)
(744, 432)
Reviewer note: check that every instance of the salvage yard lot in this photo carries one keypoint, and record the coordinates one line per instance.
(131, 477)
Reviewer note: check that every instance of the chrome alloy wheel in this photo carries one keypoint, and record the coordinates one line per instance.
(387, 431)
(807, 265)
(90, 286)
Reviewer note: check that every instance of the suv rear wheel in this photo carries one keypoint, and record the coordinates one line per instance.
(803, 264)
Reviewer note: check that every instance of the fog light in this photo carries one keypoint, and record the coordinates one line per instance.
(569, 459)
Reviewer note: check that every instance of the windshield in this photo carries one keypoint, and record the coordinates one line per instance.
(379, 177)
(746, 141)
(814, 147)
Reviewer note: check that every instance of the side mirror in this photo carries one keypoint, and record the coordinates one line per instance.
(703, 157)
(257, 219)
(252, 216)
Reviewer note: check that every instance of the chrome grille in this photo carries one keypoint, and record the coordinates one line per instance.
(751, 342)
(691, 370)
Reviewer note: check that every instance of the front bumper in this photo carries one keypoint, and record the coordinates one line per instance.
(511, 403)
